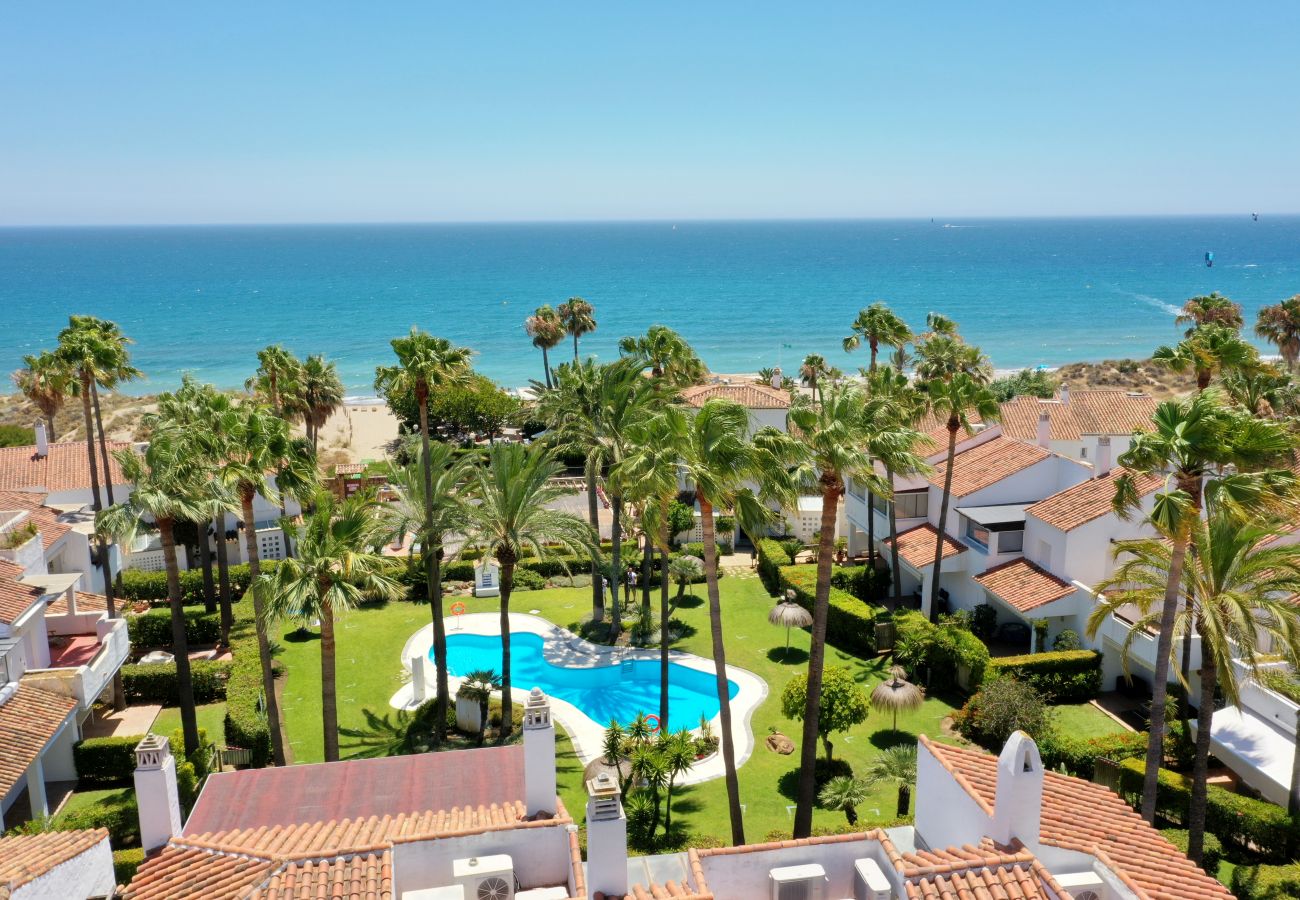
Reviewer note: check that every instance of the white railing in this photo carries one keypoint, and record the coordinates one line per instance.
(1265, 703)
(86, 682)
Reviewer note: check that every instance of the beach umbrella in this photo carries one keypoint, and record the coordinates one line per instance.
(790, 615)
(897, 693)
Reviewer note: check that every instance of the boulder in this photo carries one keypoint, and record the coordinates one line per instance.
(779, 743)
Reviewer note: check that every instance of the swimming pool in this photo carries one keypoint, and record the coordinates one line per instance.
(602, 693)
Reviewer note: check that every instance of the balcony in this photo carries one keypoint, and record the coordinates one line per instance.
(86, 650)
(20, 541)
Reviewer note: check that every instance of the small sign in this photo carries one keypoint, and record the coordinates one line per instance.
(485, 579)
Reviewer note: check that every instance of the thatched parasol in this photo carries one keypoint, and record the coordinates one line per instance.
(897, 693)
(790, 615)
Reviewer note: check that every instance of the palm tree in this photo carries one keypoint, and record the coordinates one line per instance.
(45, 381)
(668, 354)
(813, 368)
(679, 756)
(877, 325)
(512, 520)
(275, 381)
(168, 481)
(1279, 324)
(1207, 351)
(1237, 592)
(954, 400)
(898, 764)
(432, 515)
(1191, 443)
(845, 793)
(334, 570)
(478, 686)
(1211, 309)
(578, 318)
(546, 330)
(320, 394)
(117, 368)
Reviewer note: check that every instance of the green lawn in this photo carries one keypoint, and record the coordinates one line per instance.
(80, 800)
(370, 642)
(1083, 720)
(212, 718)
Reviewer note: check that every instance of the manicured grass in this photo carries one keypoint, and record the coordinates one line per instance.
(1083, 720)
(370, 641)
(211, 716)
(80, 800)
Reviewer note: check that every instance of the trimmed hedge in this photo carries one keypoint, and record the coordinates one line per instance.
(154, 628)
(1079, 757)
(156, 682)
(1063, 676)
(105, 761)
(116, 812)
(1264, 882)
(850, 623)
(1211, 848)
(943, 650)
(1251, 826)
(151, 587)
(772, 558)
(245, 724)
(125, 864)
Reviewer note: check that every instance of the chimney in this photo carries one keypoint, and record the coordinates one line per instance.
(539, 755)
(1044, 430)
(1101, 465)
(1018, 804)
(1065, 395)
(776, 377)
(155, 792)
(42, 439)
(606, 838)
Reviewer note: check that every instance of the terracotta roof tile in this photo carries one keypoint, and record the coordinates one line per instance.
(936, 430)
(1088, 412)
(46, 519)
(86, 602)
(987, 463)
(916, 545)
(65, 468)
(184, 873)
(366, 876)
(26, 857)
(1082, 816)
(751, 396)
(1079, 505)
(1024, 585)
(28, 721)
(15, 598)
(986, 872)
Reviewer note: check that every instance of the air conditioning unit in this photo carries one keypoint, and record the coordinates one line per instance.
(806, 882)
(486, 877)
(869, 883)
(1084, 885)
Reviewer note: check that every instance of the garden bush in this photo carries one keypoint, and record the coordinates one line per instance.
(1063, 676)
(850, 623)
(1000, 709)
(116, 812)
(1265, 882)
(1079, 756)
(948, 655)
(151, 587)
(528, 580)
(771, 559)
(154, 628)
(105, 761)
(1211, 848)
(125, 863)
(156, 682)
(245, 724)
(868, 585)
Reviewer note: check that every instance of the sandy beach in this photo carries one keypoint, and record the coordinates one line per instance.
(358, 432)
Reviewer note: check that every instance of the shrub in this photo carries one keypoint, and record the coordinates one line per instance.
(154, 628)
(105, 761)
(1079, 757)
(772, 557)
(125, 863)
(1003, 707)
(1064, 676)
(528, 580)
(1067, 640)
(868, 585)
(844, 702)
(151, 587)
(156, 683)
(1265, 882)
(245, 723)
(850, 623)
(945, 651)
(116, 812)
(1211, 849)
(983, 621)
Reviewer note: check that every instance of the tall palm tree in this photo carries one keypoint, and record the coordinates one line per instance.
(1236, 593)
(168, 483)
(431, 516)
(546, 330)
(1191, 444)
(116, 369)
(578, 317)
(44, 380)
(877, 325)
(1207, 351)
(335, 568)
(668, 354)
(812, 370)
(1279, 324)
(1211, 309)
(275, 381)
(320, 393)
(512, 519)
(679, 757)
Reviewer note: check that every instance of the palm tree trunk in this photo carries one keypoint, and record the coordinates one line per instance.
(616, 553)
(105, 566)
(593, 513)
(432, 577)
(807, 796)
(663, 640)
(937, 568)
(893, 543)
(1185, 666)
(263, 641)
(1201, 761)
(575, 346)
(180, 646)
(546, 367)
(205, 563)
(647, 566)
(871, 539)
(720, 669)
(506, 559)
(1160, 689)
(103, 443)
(328, 683)
(49, 426)
(90, 441)
(223, 578)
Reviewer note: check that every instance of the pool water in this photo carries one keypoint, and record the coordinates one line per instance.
(619, 691)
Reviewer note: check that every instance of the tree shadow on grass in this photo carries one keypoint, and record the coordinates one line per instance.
(788, 784)
(794, 657)
(889, 737)
(689, 601)
(302, 635)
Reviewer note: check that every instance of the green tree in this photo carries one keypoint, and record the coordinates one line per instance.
(812, 370)
(892, 410)
(680, 518)
(478, 686)
(685, 570)
(842, 703)
(512, 519)
(275, 381)
(845, 793)
(1279, 324)
(1025, 383)
(320, 394)
(679, 756)
(546, 331)
(45, 381)
(896, 764)
(668, 355)
(878, 326)
(579, 318)
(1211, 309)
(1208, 350)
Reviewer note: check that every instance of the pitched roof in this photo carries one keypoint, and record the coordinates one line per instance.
(46, 519)
(987, 463)
(64, 468)
(182, 872)
(1086, 817)
(15, 597)
(935, 428)
(29, 719)
(1024, 585)
(751, 396)
(986, 871)
(1087, 412)
(26, 857)
(916, 545)
(86, 602)
(1088, 500)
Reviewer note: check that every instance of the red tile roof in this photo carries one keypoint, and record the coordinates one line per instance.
(29, 720)
(916, 545)
(187, 874)
(15, 598)
(26, 857)
(751, 396)
(65, 468)
(986, 871)
(86, 602)
(1024, 585)
(1088, 412)
(987, 463)
(1091, 499)
(1082, 816)
(46, 519)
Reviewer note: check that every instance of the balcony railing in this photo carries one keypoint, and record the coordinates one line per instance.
(86, 681)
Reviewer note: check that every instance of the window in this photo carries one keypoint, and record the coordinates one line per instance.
(1083, 453)
(855, 490)
(913, 505)
(976, 533)
(1011, 541)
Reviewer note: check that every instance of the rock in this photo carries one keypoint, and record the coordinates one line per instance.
(779, 743)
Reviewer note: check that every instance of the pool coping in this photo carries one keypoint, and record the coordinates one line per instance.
(562, 646)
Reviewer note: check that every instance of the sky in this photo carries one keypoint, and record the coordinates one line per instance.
(163, 112)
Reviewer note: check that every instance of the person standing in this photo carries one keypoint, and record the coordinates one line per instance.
(629, 586)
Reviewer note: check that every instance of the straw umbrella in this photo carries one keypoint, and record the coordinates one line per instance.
(897, 693)
(790, 615)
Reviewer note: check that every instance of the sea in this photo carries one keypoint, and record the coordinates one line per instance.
(1029, 292)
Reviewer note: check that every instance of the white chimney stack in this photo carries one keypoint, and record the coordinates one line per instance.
(155, 792)
(1044, 430)
(776, 377)
(1101, 465)
(539, 755)
(1065, 395)
(606, 838)
(42, 439)
(1018, 803)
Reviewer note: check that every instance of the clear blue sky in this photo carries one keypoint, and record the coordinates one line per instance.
(150, 112)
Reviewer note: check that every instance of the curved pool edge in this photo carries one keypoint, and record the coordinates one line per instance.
(586, 734)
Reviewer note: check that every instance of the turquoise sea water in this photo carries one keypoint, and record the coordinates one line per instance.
(603, 693)
(1030, 292)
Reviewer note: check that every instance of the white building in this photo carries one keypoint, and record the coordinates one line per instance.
(1077, 420)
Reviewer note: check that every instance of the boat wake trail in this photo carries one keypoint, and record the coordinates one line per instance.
(1159, 304)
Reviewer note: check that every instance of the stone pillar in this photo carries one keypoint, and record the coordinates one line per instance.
(539, 754)
(155, 792)
(36, 790)
(419, 688)
(606, 838)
